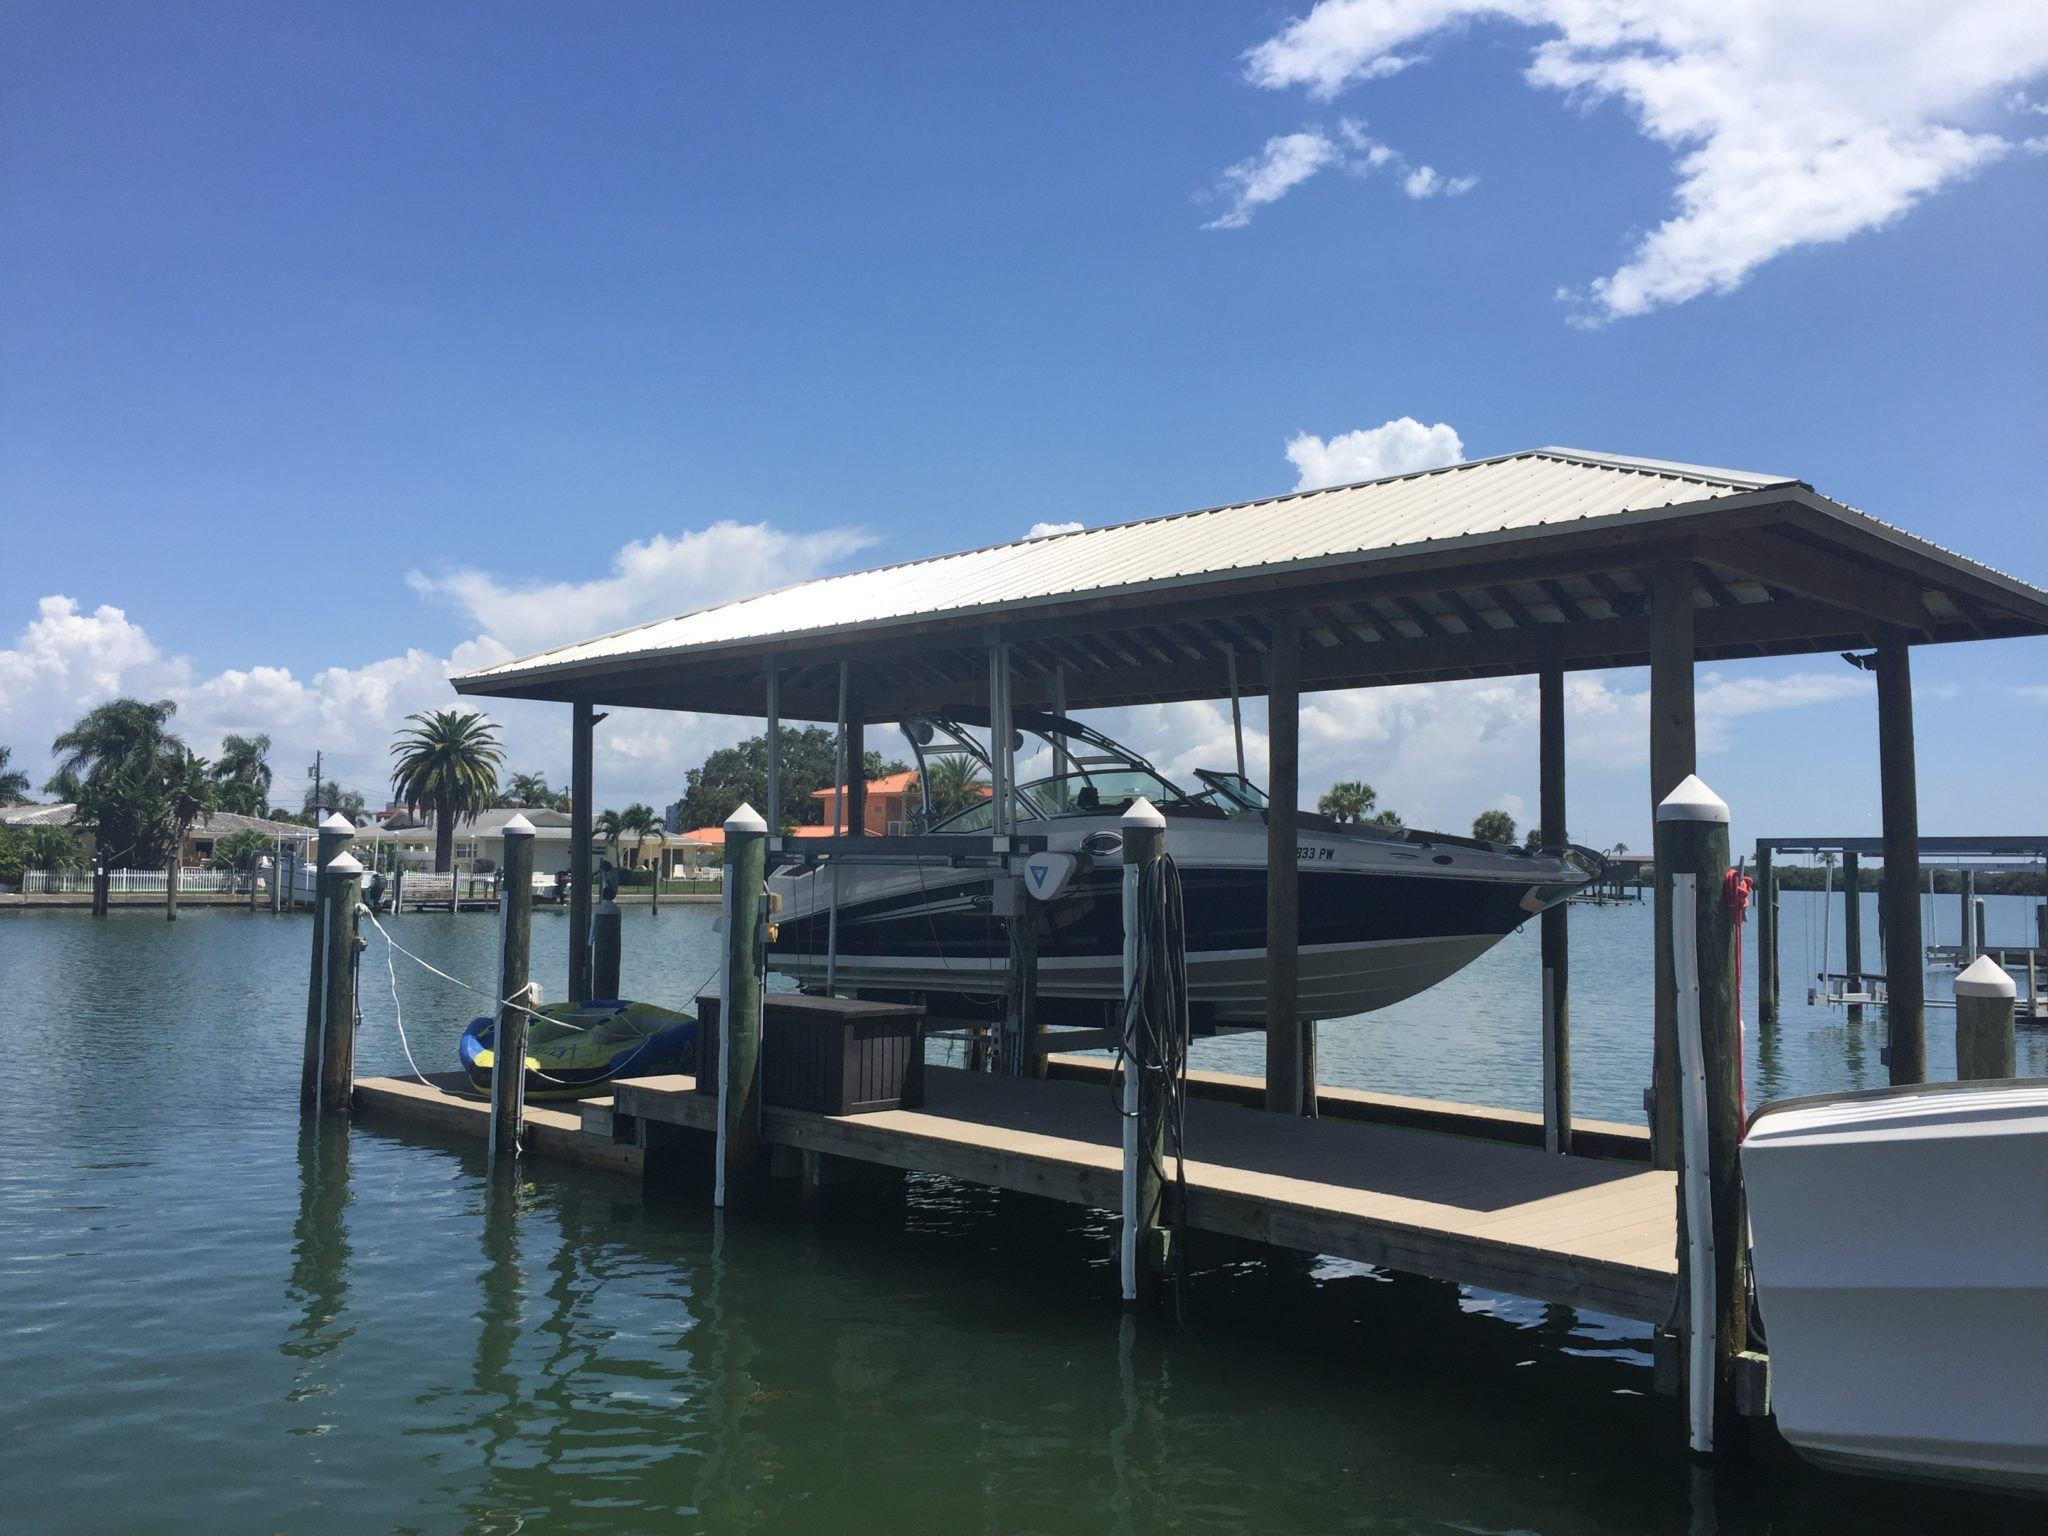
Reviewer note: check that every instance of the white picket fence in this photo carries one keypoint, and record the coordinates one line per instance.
(131, 882)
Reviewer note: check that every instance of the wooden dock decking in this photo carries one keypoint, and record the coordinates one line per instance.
(1579, 1231)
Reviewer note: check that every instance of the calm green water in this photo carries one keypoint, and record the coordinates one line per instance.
(212, 1320)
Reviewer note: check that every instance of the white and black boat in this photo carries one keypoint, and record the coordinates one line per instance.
(1385, 911)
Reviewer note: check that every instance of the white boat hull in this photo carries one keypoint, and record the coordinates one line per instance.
(1901, 1257)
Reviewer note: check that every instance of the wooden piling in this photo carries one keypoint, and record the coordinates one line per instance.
(515, 952)
(1142, 1248)
(171, 888)
(341, 882)
(582, 731)
(1692, 846)
(1024, 1054)
(739, 1157)
(1966, 904)
(334, 834)
(1852, 929)
(1287, 1088)
(1766, 939)
(1673, 755)
(606, 939)
(102, 885)
(1556, 948)
(1905, 1003)
(1985, 1047)
(1980, 940)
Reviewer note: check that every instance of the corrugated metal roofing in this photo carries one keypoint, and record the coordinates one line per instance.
(1537, 489)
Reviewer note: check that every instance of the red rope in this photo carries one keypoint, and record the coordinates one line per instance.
(1735, 890)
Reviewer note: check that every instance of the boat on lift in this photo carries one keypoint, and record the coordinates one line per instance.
(1386, 911)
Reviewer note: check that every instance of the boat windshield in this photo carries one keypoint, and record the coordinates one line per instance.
(1086, 793)
(1231, 793)
(1091, 774)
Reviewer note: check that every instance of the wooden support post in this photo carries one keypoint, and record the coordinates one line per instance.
(772, 701)
(737, 1170)
(856, 763)
(1905, 1006)
(1024, 1055)
(1766, 939)
(1141, 1252)
(1852, 929)
(341, 884)
(1556, 977)
(515, 952)
(1673, 756)
(607, 938)
(1985, 1047)
(582, 734)
(1692, 853)
(334, 835)
(1966, 902)
(2041, 926)
(171, 866)
(102, 884)
(1287, 1087)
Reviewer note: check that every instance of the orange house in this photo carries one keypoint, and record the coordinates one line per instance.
(891, 799)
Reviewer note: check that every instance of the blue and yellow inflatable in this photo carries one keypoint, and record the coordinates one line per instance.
(575, 1049)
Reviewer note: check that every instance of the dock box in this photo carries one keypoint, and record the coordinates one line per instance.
(835, 1055)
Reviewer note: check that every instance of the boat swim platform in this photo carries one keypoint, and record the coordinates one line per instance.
(1583, 1232)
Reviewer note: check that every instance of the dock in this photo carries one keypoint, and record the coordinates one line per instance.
(1585, 1232)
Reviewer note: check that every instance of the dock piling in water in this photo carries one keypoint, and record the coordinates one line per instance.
(515, 953)
(334, 834)
(1692, 845)
(1146, 1053)
(738, 1155)
(606, 941)
(171, 888)
(1985, 1044)
(342, 887)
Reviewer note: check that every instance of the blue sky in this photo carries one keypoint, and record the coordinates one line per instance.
(341, 342)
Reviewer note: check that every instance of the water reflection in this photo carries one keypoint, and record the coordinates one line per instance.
(320, 1254)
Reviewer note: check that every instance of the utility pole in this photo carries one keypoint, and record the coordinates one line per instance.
(319, 788)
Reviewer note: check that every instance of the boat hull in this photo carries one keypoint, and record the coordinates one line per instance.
(1379, 923)
(1902, 1276)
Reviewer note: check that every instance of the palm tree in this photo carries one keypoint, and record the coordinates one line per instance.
(632, 821)
(13, 782)
(190, 792)
(953, 781)
(448, 765)
(243, 773)
(1348, 800)
(529, 790)
(1494, 827)
(120, 764)
(1386, 819)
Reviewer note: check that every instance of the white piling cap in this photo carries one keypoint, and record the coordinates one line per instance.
(344, 863)
(334, 821)
(1692, 801)
(517, 826)
(1985, 977)
(745, 819)
(1143, 813)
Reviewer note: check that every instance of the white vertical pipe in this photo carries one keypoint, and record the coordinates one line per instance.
(1236, 706)
(1694, 1191)
(1127, 1236)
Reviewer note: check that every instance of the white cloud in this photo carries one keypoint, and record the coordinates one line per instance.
(1427, 181)
(1285, 163)
(1290, 159)
(1791, 125)
(1403, 446)
(1047, 530)
(651, 579)
(65, 660)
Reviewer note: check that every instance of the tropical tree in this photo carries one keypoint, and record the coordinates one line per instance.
(243, 773)
(13, 782)
(953, 781)
(239, 850)
(632, 821)
(1494, 827)
(326, 795)
(530, 791)
(1385, 819)
(1348, 800)
(448, 763)
(131, 778)
(40, 847)
(606, 827)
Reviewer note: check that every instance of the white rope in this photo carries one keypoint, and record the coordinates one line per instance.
(490, 992)
(398, 1014)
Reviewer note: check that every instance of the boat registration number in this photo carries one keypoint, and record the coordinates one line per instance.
(1315, 855)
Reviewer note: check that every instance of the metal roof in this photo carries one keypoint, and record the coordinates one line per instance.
(1518, 505)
